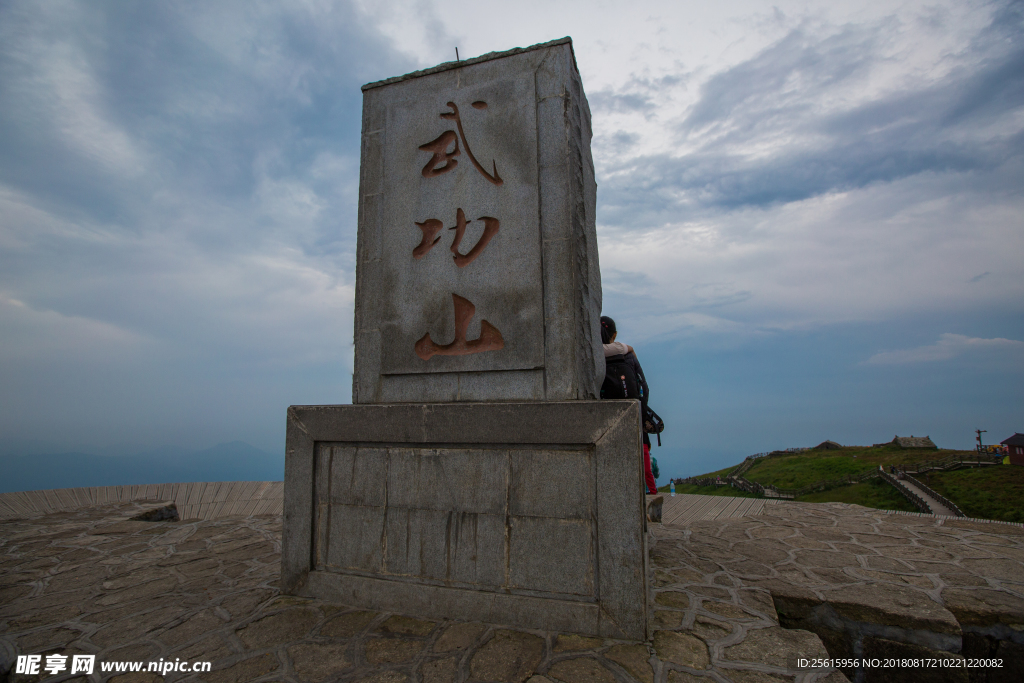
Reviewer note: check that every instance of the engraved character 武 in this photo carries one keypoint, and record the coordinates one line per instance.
(442, 161)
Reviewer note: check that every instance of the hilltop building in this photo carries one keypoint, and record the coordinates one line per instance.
(1015, 448)
(911, 442)
(827, 446)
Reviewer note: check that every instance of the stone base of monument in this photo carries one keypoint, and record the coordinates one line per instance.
(525, 514)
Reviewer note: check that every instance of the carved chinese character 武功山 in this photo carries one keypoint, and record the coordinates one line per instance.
(444, 150)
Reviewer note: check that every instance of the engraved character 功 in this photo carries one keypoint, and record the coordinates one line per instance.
(432, 226)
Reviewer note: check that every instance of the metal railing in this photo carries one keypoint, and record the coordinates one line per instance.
(951, 462)
(907, 493)
(937, 496)
(705, 481)
(748, 486)
(746, 464)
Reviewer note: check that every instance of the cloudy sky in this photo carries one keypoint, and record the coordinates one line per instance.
(810, 214)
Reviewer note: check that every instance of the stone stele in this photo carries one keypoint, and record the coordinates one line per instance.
(476, 477)
(477, 273)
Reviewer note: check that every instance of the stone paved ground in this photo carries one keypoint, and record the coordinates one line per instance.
(868, 583)
(87, 581)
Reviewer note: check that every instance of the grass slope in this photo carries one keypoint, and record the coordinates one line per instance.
(873, 493)
(989, 493)
(793, 471)
(796, 470)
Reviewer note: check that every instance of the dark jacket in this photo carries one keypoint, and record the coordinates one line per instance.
(644, 391)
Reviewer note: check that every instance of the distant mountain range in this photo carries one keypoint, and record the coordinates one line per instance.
(234, 461)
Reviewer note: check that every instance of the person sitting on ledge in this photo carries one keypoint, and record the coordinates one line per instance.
(630, 384)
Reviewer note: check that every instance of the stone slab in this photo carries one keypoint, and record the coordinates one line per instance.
(529, 514)
(477, 204)
(869, 583)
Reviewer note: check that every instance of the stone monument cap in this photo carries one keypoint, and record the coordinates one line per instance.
(445, 66)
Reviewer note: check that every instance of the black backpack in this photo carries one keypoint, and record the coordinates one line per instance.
(619, 379)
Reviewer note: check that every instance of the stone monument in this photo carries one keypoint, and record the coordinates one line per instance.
(476, 476)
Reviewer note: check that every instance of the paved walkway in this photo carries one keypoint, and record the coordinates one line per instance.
(935, 506)
(685, 508)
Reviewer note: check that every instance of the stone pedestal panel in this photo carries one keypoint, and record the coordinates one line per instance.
(528, 513)
(481, 519)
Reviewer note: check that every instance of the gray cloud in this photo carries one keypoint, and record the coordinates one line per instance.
(114, 102)
(950, 346)
(637, 95)
(759, 134)
(177, 213)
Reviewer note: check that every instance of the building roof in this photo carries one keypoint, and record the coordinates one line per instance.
(914, 442)
(828, 445)
(1016, 440)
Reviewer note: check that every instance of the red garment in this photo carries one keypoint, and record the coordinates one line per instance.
(652, 488)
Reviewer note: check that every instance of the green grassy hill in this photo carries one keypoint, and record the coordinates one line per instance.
(987, 493)
(792, 471)
(796, 470)
(873, 493)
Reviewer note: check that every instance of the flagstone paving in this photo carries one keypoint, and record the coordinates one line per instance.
(867, 582)
(88, 581)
